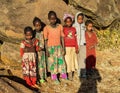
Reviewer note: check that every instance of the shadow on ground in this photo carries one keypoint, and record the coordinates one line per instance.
(89, 84)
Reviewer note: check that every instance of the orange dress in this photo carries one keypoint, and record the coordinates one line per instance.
(53, 35)
(90, 52)
(55, 62)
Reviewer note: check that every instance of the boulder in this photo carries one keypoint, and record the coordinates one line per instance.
(17, 14)
(103, 13)
(13, 84)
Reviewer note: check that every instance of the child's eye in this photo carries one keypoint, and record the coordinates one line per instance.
(28, 35)
(52, 18)
(37, 25)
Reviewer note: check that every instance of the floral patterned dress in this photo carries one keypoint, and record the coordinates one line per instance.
(28, 53)
(56, 62)
(41, 56)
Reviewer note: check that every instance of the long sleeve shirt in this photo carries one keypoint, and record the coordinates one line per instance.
(70, 38)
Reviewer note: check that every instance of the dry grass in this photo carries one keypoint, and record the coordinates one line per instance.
(108, 64)
(108, 39)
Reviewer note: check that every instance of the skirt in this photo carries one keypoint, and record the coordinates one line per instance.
(29, 68)
(42, 64)
(56, 63)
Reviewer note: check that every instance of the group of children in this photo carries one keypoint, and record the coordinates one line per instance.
(58, 49)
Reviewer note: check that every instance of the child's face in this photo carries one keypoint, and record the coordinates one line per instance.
(80, 19)
(28, 35)
(90, 27)
(37, 26)
(68, 22)
(53, 20)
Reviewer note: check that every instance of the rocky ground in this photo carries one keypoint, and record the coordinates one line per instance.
(106, 78)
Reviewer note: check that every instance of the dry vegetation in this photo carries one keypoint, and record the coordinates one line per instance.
(108, 39)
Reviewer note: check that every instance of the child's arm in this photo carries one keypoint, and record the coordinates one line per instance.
(76, 48)
(45, 35)
(22, 46)
(62, 40)
(95, 41)
(41, 42)
(37, 45)
(63, 45)
(46, 46)
(76, 43)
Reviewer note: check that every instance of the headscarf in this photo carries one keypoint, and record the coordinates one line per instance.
(68, 15)
(80, 27)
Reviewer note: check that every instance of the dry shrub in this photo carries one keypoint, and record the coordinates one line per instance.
(108, 39)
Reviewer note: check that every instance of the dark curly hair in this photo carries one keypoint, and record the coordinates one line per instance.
(36, 19)
(28, 29)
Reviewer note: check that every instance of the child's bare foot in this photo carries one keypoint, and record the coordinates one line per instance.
(35, 86)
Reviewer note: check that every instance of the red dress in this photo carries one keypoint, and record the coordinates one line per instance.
(28, 54)
(90, 53)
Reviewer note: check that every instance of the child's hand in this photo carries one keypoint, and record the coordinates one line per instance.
(47, 53)
(42, 49)
(91, 47)
(39, 49)
(77, 51)
(63, 52)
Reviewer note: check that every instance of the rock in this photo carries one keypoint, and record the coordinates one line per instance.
(11, 81)
(3, 71)
(114, 63)
(10, 53)
(104, 13)
(7, 85)
(17, 14)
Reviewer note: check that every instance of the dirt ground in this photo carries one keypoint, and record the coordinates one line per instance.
(106, 79)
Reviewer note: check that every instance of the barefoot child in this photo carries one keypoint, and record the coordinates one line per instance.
(91, 42)
(41, 54)
(28, 50)
(53, 35)
(71, 45)
(80, 28)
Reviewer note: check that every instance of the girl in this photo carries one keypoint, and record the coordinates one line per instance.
(71, 45)
(28, 50)
(53, 35)
(91, 42)
(41, 54)
(80, 29)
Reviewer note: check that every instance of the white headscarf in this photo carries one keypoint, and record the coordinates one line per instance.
(80, 29)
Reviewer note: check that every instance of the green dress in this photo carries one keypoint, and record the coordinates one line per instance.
(56, 63)
(41, 56)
